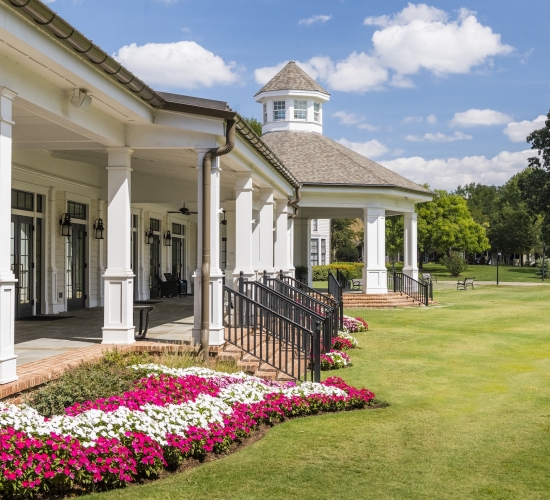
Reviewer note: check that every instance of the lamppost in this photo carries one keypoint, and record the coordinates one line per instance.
(498, 258)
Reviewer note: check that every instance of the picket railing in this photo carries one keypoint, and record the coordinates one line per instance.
(421, 291)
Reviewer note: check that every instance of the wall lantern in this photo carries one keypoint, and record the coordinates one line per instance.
(224, 221)
(149, 236)
(99, 229)
(167, 239)
(65, 223)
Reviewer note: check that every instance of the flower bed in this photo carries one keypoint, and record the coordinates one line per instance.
(344, 341)
(354, 325)
(171, 415)
(334, 360)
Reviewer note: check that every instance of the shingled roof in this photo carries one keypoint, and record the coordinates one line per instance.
(292, 77)
(317, 160)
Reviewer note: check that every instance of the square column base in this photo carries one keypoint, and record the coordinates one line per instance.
(216, 331)
(411, 272)
(119, 312)
(375, 281)
(7, 333)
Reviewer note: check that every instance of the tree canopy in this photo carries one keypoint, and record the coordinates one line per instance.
(253, 124)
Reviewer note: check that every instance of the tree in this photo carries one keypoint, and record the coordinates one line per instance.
(341, 240)
(253, 124)
(446, 223)
(482, 200)
(395, 233)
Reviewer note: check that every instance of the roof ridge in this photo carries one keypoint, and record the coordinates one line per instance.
(292, 77)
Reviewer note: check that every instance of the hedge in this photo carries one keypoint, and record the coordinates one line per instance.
(350, 269)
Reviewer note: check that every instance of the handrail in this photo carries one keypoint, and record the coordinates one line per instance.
(271, 337)
(321, 297)
(342, 280)
(294, 305)
(418, 290)
(335, 289)
(297, 296)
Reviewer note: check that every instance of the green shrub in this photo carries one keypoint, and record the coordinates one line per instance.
(454, 263)
(351, 270)
(301, 272)
(539, 268)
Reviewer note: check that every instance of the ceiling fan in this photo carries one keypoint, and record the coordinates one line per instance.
(184, 211)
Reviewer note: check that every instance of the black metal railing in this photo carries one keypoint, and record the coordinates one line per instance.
(342, 280)
(295, 305)
(271, 337)
(320, 296)
(421, 291)
(335, 289)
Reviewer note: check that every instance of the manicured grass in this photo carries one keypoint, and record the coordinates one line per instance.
(487, 273)
(469, 415)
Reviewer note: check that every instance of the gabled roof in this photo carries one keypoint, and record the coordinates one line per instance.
(292, 77)
(317, 160)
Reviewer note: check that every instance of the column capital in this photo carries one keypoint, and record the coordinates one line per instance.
(411, 215)
(374, 212)
(281, 206)
(8, 93)
(119, 157)
(266, 195)
(243, 181)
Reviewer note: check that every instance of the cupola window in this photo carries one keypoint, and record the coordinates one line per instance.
(300, 110)
(265, 112)
(279, 112)
(316, 112)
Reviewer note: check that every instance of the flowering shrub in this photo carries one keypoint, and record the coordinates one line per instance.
(335, 359)
(354, 325)
(344, 341)
(169, 416)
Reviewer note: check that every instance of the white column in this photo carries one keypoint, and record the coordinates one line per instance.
(230, 243)
(216, 276)
(290, 247)
(243, 232)
(119, 278)
(374, 268)
(302, 245)
(281, 261)
(410, 246)
(7, 278)
(266, 231)
(100, 257)
(256, 242)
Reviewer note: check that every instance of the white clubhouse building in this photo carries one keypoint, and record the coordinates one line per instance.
(95, 167)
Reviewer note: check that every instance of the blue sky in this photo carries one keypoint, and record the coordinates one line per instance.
(442, 92)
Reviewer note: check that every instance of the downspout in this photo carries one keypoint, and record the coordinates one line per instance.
(206, 196)
(294, 204)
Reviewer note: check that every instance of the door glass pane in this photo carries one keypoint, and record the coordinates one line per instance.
(25, 263)
(69, 267)
(38, 264)
(12, 252)
(79, 265)
(154, 262)
(177, 257)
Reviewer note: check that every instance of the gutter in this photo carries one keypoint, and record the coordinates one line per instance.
(52, 24)
(378, 186)
(294, 204)
(205, 216)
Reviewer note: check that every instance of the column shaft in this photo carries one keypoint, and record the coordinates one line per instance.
(243, 226)
(281, 261)
(410, 245)
(231, 243)
(374, 256)
(7, 278)
(119, 278)
(266, 231)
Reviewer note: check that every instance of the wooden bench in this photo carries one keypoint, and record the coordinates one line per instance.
(356, 284)
(428, 277)
(465, 283)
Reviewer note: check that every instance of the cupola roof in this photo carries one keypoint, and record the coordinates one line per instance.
(292, 77)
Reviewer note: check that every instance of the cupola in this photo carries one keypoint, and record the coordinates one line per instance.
(292, 100)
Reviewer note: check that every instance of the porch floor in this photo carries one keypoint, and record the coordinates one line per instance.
(37, 339)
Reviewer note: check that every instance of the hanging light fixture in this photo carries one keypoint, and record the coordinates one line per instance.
(224, 221)
(149, 236)
(65, 223)
(99, 229)
(167, 239)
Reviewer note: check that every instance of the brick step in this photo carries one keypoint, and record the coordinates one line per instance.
(379, 301)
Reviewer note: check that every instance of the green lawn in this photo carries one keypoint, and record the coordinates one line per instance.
(487, 273)
(468, 384)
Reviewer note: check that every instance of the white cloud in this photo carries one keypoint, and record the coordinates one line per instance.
(182, 64)
(315, 19)
(370, 149)
(452, 172)
(431, 119)
(353, 119)
(439, 137)
(518, 131)
(418, 38)
(423, 37)
(475, 117)
(419, 119)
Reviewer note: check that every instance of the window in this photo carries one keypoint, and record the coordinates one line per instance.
(39, 201)
(265, 112)
(134, 221)
(314, 225)
(314, 252)
(316, 112)
(22, 200)
(323, 252)
(76, 210)
(279, 112)
(177, 229)
(154, 224)
(300, 110)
